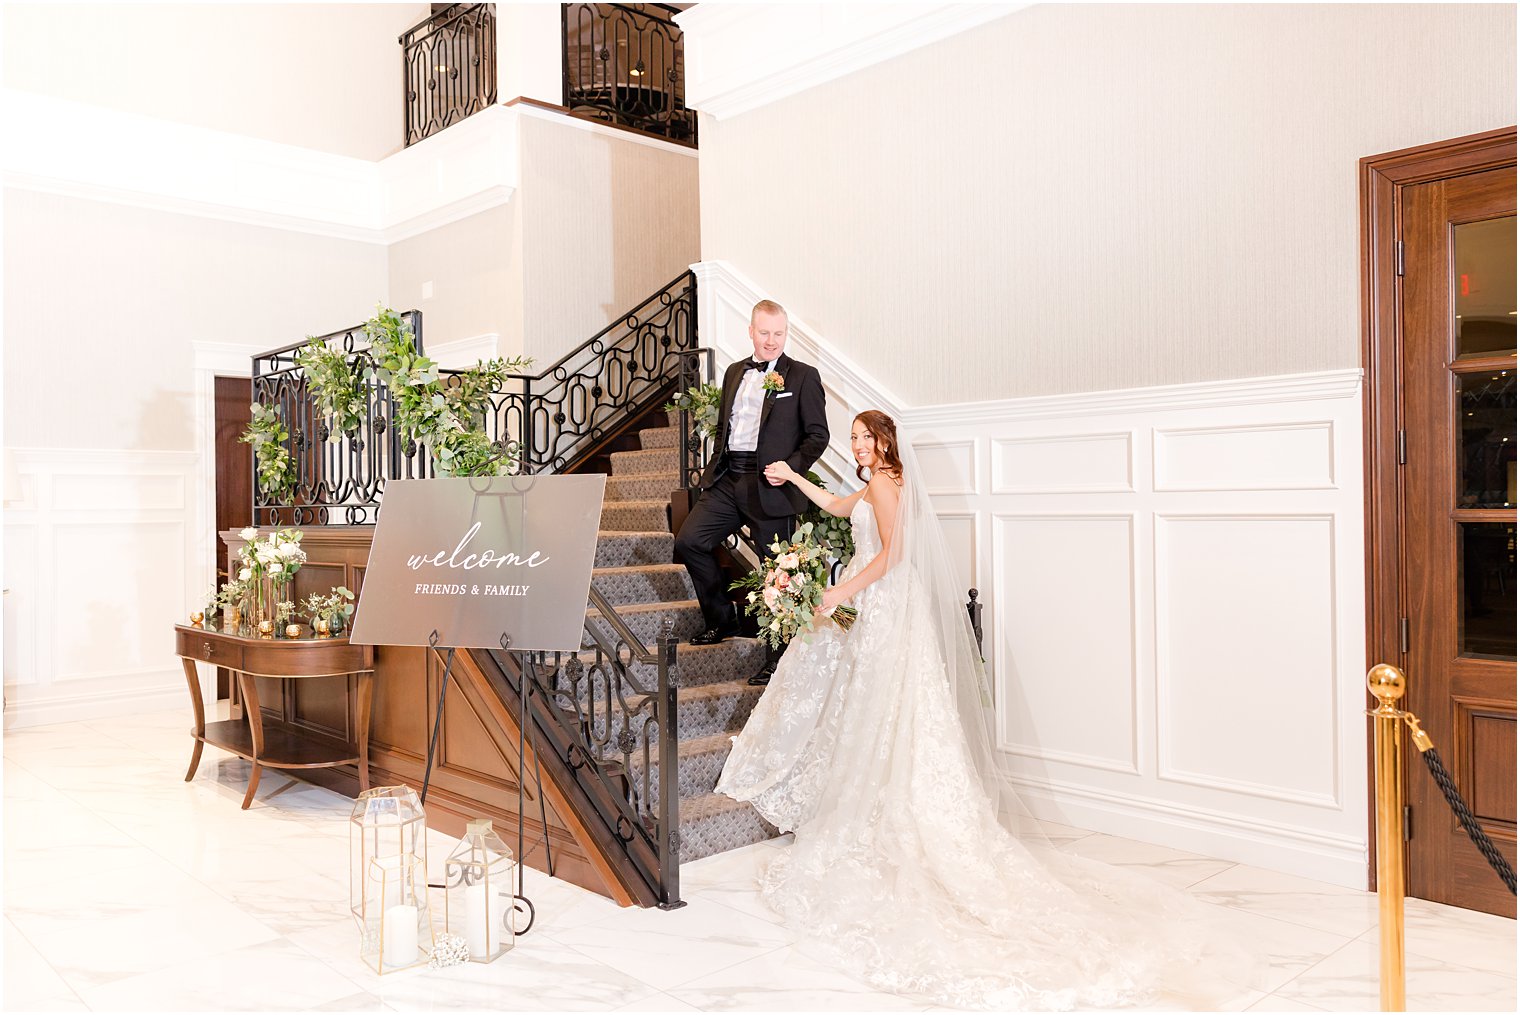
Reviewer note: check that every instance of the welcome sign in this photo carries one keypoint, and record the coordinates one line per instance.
(476, 558)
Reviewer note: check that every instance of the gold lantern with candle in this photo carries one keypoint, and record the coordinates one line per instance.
(480, 881)
(388, 891)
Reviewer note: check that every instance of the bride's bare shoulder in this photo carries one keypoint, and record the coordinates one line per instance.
(883, 488)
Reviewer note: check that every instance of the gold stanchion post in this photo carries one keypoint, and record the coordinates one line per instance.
(1387, 685)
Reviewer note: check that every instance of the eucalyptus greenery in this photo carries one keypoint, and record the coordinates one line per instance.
(336, 386)
(832, 533)
(702, 403)
(268, 435)
(445, 418)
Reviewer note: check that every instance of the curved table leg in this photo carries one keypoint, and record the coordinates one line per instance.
(366, 696)
(199, 730)
(250, 688)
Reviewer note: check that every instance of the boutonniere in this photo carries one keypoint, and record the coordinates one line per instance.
(774, 382)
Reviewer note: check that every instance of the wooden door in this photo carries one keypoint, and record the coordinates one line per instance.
(234, 478)
(1458, 507)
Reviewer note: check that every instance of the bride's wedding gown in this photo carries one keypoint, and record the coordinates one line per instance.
(902, 870)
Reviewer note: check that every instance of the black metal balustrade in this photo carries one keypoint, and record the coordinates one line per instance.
(335, 482)
(626, 64)
(448, 68)
(613, 715)
(554, 418)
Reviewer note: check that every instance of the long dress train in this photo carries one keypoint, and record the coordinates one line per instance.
(903, 870)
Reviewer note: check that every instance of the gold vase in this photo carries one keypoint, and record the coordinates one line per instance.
(321, 627)
(232, 619)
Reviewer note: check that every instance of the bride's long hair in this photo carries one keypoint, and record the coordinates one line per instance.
(884, 429)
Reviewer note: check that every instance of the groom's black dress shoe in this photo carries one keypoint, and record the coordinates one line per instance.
(764, 676)
(714, 635)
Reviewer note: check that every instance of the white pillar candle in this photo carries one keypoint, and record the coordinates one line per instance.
(478, 932)
(400, 945)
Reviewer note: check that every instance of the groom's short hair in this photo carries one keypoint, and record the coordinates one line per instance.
(769, 307)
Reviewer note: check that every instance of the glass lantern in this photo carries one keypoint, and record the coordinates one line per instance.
(387, 886)
(480, 876)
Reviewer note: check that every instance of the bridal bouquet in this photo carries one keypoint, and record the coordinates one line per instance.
(786, 590)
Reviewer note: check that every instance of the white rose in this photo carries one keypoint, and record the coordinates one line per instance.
(289, 550)
(244, 575)
(776, 625)
(789, 561)
(249, 534)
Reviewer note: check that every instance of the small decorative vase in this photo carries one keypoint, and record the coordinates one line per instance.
(232, 619)
(197, 617)
(292, 630)
(266, 629)
(322, 627)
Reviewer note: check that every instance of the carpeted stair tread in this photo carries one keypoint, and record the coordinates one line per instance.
(699, 665)
(632, 548)
(625, 463)
(642, 486)
(715, 823)
(643, 583)
(624, 515)
(702, 760)
(647, 620)
(660, 437)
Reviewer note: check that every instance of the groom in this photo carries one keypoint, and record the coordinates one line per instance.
(772, 410)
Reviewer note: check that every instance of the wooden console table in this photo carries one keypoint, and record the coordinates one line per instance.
(279, 658)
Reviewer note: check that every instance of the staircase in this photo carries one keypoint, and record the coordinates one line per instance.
(634, 571)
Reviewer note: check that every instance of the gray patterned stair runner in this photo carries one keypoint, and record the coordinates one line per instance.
(634, 570)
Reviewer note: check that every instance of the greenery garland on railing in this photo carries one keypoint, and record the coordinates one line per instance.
(446, 419)
(267, 433)
(335, 385)
(701, 403)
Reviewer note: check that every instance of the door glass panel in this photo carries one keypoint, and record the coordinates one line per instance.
(1485, 286)
(1486, 403)
(1487, 589)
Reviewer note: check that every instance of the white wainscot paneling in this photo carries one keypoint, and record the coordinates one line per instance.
(1068, 463)
(960, 535)
(1245, 655)
(949, 467)
(1065, 649)
(1296, 456)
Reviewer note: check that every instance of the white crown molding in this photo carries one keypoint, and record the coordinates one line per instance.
(55, 147)
(1166, 397)
(740, 57)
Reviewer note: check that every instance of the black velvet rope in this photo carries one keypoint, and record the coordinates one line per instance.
(1469, 823)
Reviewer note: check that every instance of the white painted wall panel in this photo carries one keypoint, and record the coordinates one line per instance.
(1065, 651)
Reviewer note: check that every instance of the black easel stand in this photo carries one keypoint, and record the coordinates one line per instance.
(526, 673)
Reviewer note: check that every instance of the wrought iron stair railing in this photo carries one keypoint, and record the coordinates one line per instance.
(556, 418)
(611, 728)
(626, 64)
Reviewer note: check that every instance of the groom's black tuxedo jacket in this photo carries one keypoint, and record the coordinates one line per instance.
(793, 428)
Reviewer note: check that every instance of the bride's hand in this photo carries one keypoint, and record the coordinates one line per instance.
(779, 473)
(832, 597)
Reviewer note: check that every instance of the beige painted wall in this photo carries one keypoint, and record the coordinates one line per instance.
(1079, 198)
(576, 185)
(103, 302)
(470, 264)
(321, 76)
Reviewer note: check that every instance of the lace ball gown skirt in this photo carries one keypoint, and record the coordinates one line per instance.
(902, 871)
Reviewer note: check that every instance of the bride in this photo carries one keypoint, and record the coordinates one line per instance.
(915, 865)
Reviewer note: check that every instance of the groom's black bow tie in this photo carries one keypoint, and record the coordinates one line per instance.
(752, 365)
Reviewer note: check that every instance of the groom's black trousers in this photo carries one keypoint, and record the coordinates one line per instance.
(730, 503)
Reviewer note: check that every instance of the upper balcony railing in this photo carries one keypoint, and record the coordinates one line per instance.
(448, 68)
(625, 64)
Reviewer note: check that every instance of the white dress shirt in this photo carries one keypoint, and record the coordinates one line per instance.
(744, 418)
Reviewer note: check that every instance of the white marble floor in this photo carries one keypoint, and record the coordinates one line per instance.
(126, 888)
